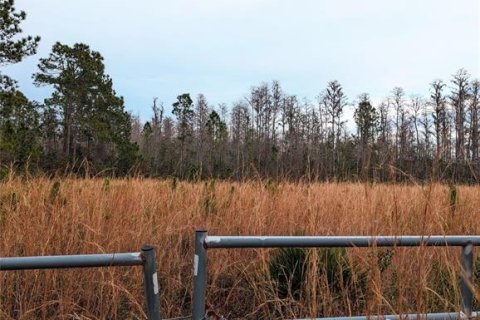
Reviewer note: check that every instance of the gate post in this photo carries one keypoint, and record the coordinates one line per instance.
(466, 280)
(199, 275)
(151, 283)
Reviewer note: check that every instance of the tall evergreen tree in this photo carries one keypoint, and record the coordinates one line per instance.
(19, 118)
(217, 137)
(183, 110)
(13, 49)
(95, 125)
(366, 118)
(19, 129)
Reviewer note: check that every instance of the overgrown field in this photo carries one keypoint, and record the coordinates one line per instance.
(46, 217)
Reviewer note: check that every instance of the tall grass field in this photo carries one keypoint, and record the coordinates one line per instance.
(71, 216)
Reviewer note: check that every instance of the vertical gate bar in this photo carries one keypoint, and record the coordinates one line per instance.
(151, 283)
(466, 280)
(199, 275)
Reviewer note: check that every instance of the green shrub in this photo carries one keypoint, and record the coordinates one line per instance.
(287, 269)
(453, 197)
(54, 191)
(209, 204)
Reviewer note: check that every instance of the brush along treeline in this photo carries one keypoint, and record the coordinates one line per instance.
(70, 216)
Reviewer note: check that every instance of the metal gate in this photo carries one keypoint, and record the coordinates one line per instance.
(145, 258)
(204, 242)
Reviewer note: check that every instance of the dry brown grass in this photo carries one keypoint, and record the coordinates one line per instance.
(92, 216)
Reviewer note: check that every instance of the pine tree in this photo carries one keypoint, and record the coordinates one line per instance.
(366, 118)
(183, 110)
(95, 125)
(19, 129)
(19, 118)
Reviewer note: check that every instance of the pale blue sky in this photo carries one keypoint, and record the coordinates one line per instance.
(221, 48)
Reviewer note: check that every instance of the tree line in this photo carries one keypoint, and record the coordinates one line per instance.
(83, 128)
(273, 134)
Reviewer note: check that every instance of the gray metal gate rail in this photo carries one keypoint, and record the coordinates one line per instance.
(203, 242)
(145, 258)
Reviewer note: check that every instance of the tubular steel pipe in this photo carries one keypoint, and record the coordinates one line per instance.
(72, 261)
(151, 283)
(199, 275)
(212, 242)
(426, 316)
(466, 242)
(146, 258)
(466, 280)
